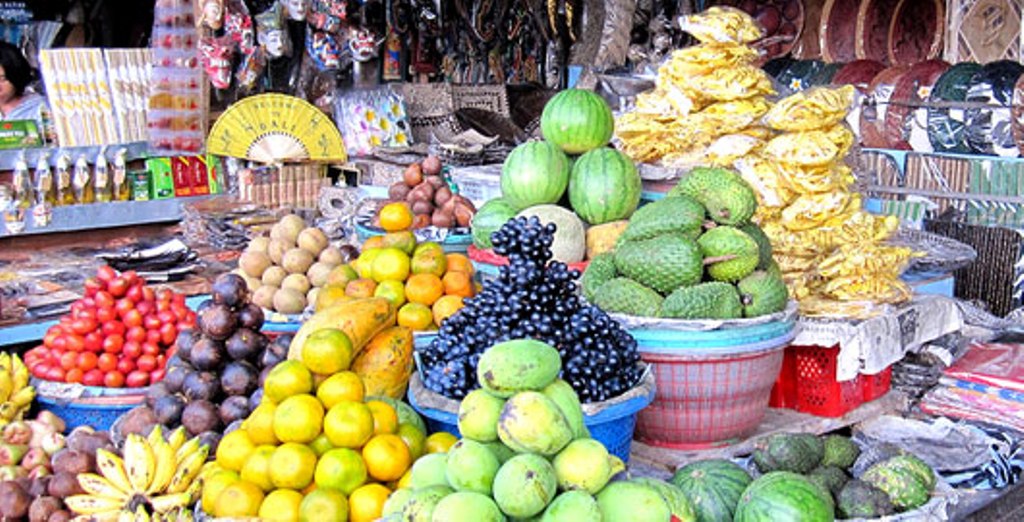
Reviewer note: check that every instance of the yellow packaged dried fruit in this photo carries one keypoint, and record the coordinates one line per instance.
(704, 58)
(771, 189)
(732, 83)
(816, 108)
(721, 24)
(814, 180)
(812, 210)
(805, 149)
(726, 150)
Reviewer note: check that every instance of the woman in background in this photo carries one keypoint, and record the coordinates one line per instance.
(16, 102)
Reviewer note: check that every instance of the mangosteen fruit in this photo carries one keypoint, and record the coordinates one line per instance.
(239, 378)
(207, 354)
(251, 316)
(177, 362)
(234, 408)
(269, 359)
(264, 373)
(168, 410)
(279, 349)
(211, 439)
(255, 399)
(200, 416)
(175, 377)
(186, 338)
(348, 253)
(156, 392)
(245, 344)
(201, 386)
(218, 322)
(230, 290)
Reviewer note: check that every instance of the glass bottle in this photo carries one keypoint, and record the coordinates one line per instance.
(102, 187)
(122, 189)
(81, 181)
(42, 181)
(22, 187)
(65, 196)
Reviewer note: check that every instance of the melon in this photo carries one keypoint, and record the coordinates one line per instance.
(577, 120)
(534, 173)
(570, 244)
(488, 219)
(604, 186)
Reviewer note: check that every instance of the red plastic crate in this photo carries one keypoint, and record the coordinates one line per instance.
(807, 383)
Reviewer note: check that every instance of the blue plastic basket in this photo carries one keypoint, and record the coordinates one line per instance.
(612, 426)
(98, 416)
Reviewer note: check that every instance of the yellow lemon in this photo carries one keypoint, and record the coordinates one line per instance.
(327, 351)
(298, 419)
(342, 386)
(390, 264)
(366, 504)
(281, 505)
(241, 499)
(349, 424)
(292, 466)
(286, 379)
(364, 263)
(214, 484)
(342, 469)
(260, 424)
(257, 468)
(234, 449)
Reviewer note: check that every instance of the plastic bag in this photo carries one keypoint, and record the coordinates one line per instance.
(726, 150)
(721, 24)
(815, 180)
(372, 118)
(816, 108)
(703, 59)
(764, 178)
(729, 83)
(812, 210)
(807, 149)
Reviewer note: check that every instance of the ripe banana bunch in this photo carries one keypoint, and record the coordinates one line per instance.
(15, 394)
(155, 480)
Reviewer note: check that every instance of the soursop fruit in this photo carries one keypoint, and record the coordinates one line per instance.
(840, 451)
(728, 199)
(713, 300)
(625, 296)
(762, 293)
(858, 499)
(795, 452)
(764, 245)
(914, 466)
(739, 252)
(663, 263)
(904, 488)
(829, 477)
(680, 214)
(600, 270)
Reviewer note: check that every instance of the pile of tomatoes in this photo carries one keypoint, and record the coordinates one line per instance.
(120, 334)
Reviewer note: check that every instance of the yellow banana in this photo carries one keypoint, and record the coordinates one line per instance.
(113, 515)
(97, 485)
(6, 385)
(126, 516)
(186, 449)
(188, 470)
(157, 433)
(177, 438)
(5, 361)
(165, 503)
(112, 468)
(8, 410)
(166, 465)
(138, 462)
(23, 397)
(92, 504)
(20, 373)
(141, 515)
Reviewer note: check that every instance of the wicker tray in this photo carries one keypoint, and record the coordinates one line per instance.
(941, 253)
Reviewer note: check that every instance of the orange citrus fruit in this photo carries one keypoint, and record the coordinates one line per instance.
(362, 287)
(391, 264)
(340, 469)
(366, 503)
(292, 466)
(214, 484)
(458, 283)
(327, 351)
(413, 437)
(234, 449)
(393, 291)
(385, 418)
(395, 217)
(386, 457)
(323, 505)
(364, 263)
(415, 316)
(445, 307)
(260, 424)
(321, 445)
(404, 241)
(287, 379)
(429, 259)
(440, 442)
(349, 424)
(423, 289)
(281, 504)
(372, 242)
(241, 499)
(298, 418)
(257, 467)
(460, 263)
(342, 386)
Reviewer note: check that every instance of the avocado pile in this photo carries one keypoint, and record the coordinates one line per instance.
(885, 480)
(692, 255)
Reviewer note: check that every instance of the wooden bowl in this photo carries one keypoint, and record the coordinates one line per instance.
(910, 91)
(915, 31)
(873, 20)
(838, 30)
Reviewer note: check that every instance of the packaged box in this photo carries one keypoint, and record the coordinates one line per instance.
(142, 188)
(215, 171)
(181, 169)
(200, 176)
(19, 134)
(161, 178)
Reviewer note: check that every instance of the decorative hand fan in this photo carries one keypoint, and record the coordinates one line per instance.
(272, 128)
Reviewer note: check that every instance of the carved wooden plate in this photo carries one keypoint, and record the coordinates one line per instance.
(915, 31)
(912, 88)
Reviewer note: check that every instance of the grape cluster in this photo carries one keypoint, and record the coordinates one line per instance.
(532, 298)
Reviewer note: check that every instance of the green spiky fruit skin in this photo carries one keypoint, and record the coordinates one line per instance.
(600, 270)
(763, 293)
(713, 486)
(729, 241)
(840, 451)
(663, 263)
(712, 300)
(904, 488)
(794, 452)
(728, 199)
(625, 296)
(577, 120)
(915, 466)
(604, 186)
(781, 495)
(764, 245)
(680, 214)
(858, 499)
(829, 477)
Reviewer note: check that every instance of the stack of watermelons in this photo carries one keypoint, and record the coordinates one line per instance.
(808, 478)
(571, 178)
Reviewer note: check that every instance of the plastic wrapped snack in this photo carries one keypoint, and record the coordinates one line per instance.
(812, 210)
(729, 83)
(814, 180)
(726, 150)
(864, 260)
(793, 263)
(806, 149)
(764, 178)
(703, 59)
(816, 108)
(721, 24)
(867, 288)
(804, 244)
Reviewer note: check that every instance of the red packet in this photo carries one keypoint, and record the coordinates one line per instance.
(200, 176)
(181, 170)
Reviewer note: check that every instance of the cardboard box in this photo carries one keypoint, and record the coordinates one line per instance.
(181, 169)
(142, 187)
(200, 176)
(161, 178)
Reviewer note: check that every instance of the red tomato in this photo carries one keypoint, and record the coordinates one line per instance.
(132, 350)
(168, 333)
(148, 294)
(83, 326)
(191, 317)
(107, 362)
(93, 378)
(136, 334)
(72, 342)
(156, 375)
(113, 343)
(180, 312)
(49, 338)
(133, 294)
(133, 278)
(69, 360)
(161, 360)
(114, 379)
(125, 366)
(185, 325)
(151, 322)
(87, 361)
(93, 285)
(178, 299)
(163, 306)
(104, 300)
(105, 273)
(137, 379)
(39, 370)
(118, 287)
(164, 295)
(146, 307)
(132, 318)
(153, 337)
(124, 306)
(73, 375)
(105, 315)
(88, 304)
(94, 342)
(152, 349)
(113, 328)
(55, 373)
(146, 363)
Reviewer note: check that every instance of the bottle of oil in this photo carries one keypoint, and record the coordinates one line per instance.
(81, 181)
(42, 181)
(65, 195)
(22, 186)
(102, 186)
(122, 189)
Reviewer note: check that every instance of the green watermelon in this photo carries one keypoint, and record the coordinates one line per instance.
(488, 219)
(782, 495)
(604, 186)
(534, 173)
(713, 486)
(577, 120)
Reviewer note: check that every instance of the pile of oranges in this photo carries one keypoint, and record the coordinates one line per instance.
(423, 283)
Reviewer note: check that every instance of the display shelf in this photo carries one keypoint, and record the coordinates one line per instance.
(135, 150)
(108, 215)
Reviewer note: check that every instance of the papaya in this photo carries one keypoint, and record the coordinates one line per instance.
(385, 364)
(360, 319)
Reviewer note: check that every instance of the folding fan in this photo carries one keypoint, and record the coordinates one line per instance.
(274, 128)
